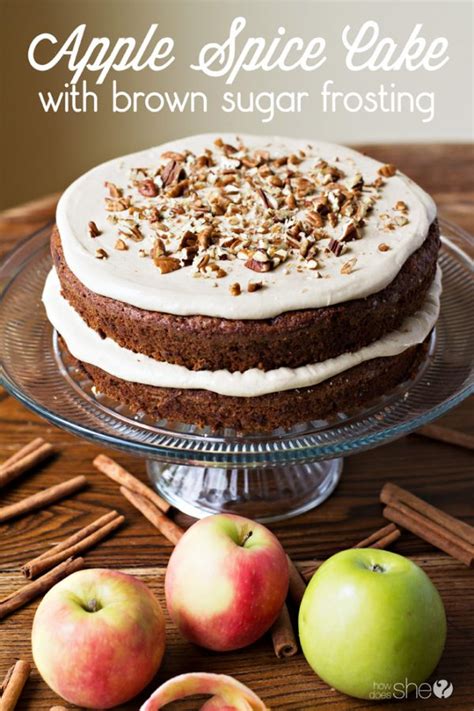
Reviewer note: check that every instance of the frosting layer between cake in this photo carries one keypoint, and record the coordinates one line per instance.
(126, 276)
(86, 345)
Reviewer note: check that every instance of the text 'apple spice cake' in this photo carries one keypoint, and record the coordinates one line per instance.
(250, 282)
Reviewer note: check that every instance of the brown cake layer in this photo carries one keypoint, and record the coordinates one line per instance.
(290, 340)
(344, 392)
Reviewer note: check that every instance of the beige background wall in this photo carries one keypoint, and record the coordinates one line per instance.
(42, 152)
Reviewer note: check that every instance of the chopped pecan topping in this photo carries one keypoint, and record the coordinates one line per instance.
(383, 247)
(101, 253)
(254, 286)
(246, 204)
(235, 289)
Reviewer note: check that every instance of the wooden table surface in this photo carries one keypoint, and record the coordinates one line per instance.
(441, 473)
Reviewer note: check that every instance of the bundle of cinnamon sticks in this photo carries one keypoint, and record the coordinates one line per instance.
(141, 496)
(26, 458)
(443, 531)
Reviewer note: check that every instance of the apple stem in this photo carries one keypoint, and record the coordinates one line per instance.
(377, 568)
(92, 605)
(246, 538)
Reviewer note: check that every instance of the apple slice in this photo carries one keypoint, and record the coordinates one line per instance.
(228, 694)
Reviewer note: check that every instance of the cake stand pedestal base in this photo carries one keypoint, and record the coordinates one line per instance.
(267, 493)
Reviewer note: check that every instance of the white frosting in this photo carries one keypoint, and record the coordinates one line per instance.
(86, 345)
(127, 277)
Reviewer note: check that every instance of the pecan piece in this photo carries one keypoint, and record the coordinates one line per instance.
(314, 218)
(120, 245)
(114, 191)
(336, 247)
(131, 232)
(347, 267)
(204, 237)
(166, 265)
(117, 204)
(268, 200)
(178, 189)
(158, 249)
(173, 172)
(93, 229)
(173, 155)
(387, 170)
(349, 232)
(257, 266)
(148, 188)
(401, 206)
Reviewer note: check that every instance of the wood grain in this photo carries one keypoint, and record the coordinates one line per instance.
(438, 472)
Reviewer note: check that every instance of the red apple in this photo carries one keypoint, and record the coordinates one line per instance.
(98, 638)
(226, 582)
(227, 693)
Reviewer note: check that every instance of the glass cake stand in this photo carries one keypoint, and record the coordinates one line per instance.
(270, 477)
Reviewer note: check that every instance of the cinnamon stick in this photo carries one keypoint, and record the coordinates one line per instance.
(83, 540)
(445, 434)
(13, 684)
(42, 498)
(30, 447)
(80, 535)
(25, 459)
(380, 538)
(283, 637)
(115, 471)
(391, 492)
(39, 587)
(297, 584)
(165, 525)
(430, 531)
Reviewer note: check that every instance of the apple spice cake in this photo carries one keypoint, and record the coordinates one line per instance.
(243, 281)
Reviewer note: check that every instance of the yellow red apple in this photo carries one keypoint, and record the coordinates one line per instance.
(226, 582)
(228, 694)
(98, 638)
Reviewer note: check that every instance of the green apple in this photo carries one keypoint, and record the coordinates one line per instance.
(370, 621)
